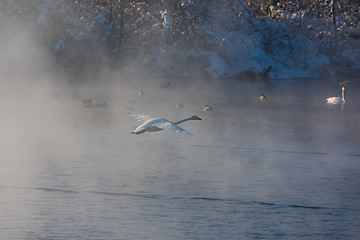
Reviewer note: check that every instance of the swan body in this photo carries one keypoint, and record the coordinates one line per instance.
(154, 124)
(337, 100)
(87, 103)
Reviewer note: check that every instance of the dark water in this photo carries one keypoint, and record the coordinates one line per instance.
(287, 168)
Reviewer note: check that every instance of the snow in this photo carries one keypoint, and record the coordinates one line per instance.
(101, 18)
(43, 12)
(60, 46)
(166, 16)
(224, 45)
(217, 66)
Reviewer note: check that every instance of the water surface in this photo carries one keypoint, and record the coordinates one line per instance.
(287, 168)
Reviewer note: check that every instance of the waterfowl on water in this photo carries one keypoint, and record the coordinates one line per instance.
(337, 100)
(262, 98)
(154, 124)
(207, 108)
(86, 101)
(179, 106)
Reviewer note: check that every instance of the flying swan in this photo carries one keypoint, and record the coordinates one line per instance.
(154, 124)
(337, 100)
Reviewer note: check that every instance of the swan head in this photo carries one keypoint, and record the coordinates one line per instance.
(343, 88)
(195, 118)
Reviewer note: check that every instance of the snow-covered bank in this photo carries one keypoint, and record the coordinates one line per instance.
(216, 39)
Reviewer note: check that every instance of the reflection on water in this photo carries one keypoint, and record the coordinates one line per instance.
(282, 168)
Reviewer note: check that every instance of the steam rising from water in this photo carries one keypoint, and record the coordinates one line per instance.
(252, 150)
(40, 107)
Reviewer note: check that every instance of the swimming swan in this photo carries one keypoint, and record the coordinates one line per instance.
(337, 100)
(154, 124)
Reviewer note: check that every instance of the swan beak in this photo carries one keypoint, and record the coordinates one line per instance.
(197, 118)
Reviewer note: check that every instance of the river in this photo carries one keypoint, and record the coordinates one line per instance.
(285, 168)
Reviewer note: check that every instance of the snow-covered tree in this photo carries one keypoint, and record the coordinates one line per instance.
(220, 38)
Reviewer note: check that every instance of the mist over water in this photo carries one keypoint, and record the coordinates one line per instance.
(283, 168)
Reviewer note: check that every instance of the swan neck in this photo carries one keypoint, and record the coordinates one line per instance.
(181, 121)
(343, 95)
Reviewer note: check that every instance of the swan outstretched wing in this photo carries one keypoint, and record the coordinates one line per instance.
(172, 127)
(141, 118)
(153, 124)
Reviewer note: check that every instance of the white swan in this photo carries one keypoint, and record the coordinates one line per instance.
(337, 100)
(154, 124)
